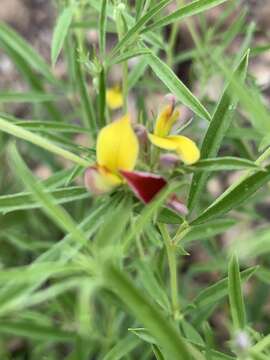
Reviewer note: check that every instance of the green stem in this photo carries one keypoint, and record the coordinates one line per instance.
(102, 98)
(172, 40)
(173, 36)
(125, 85)
(121, 32)
(171, 254)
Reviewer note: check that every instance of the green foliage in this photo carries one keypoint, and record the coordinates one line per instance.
(108, 277)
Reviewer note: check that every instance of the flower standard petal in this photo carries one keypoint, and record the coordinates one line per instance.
(114, 98)
(117, 146)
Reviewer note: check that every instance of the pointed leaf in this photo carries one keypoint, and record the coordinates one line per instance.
(60, 32)
(175, 85)
(215, 133)
(235, 294)
(235, 196)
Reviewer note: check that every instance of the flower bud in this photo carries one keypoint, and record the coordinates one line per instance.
(241, 342)
(121, 7)
(167, 116)
(141, 133)
(177, 205)
(170, 99)
(168, 161)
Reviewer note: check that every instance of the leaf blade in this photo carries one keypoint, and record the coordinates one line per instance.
(215, 133)
(193, 8)
(235, 294)
(60, 32)
(175, 85)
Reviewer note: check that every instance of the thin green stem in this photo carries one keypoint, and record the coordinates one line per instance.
(173, 36)
(172, 40)
(171, 254)
(102, 98)
(121, 32)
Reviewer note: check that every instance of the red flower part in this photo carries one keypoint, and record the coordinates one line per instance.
(145, 185)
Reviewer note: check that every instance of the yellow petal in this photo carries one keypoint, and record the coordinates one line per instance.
(186, 149)
(163, 142)
(114, 98)
(117, 146)
(166, 119)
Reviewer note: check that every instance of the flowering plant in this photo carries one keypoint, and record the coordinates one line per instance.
(117, 153)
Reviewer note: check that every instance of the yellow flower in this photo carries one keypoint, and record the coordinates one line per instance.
(117, 150)
(166, 119)
(185, 148)
(114, 98)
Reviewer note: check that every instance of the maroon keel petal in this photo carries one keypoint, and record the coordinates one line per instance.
(145, 185)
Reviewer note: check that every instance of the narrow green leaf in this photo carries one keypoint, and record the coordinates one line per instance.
(259, 49)
(139, 8)
(237, 306)
(150, 283)
(25, 201)
(151, 37)
(51, 126)
(222, 164)
(114, 224)
(265, 142)
(249, 97)
(134, 30)
(31, 97)
(35, 331)
(157, 353)
(126, 56)
(258, 356)
(235, 196)
(168, 216)
(262, 344)
(60, 32)
(82, 88)
(143, 334)
(137, 72)
(57, 214)
(31, 57)
(191, 333)
(175, 85)
(252, 244)
(123, 347)
(207, 230)
(193, 8)
(215, 293)
(147, 313)
(36, 83)
(17, 131)
(216, 131)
